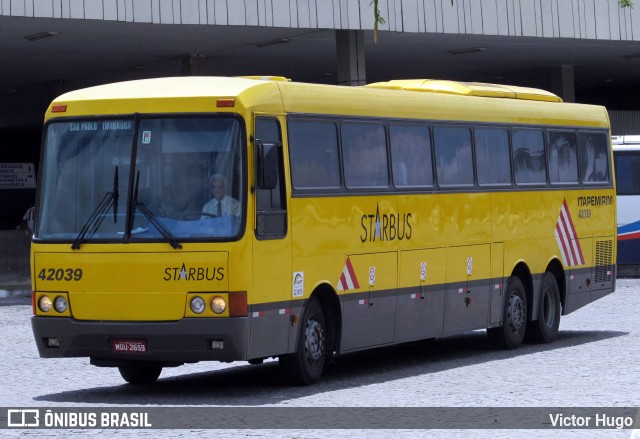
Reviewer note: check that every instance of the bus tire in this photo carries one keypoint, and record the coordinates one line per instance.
(140, 374)
(545, 328)
(514, 317)
(305, 366)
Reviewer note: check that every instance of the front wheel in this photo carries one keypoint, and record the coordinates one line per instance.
(140, 374)
(305, 365)
(514, 317)
(545, 328)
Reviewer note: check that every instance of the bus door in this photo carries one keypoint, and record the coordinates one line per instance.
(468, 288)
(369, 311)
(270, 309)
(421, 294)
(497, 273)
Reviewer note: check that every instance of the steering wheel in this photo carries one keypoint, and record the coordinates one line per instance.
(210, 215)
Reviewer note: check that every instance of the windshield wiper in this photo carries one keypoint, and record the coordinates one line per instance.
(91, 226)
(153, 218)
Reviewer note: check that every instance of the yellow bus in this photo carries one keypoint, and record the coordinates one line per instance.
(207, 218)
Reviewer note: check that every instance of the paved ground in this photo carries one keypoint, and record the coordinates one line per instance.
(594, 363)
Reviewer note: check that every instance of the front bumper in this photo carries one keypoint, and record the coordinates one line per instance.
(170, 343)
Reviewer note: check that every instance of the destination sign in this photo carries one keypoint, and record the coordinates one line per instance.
(17, 176)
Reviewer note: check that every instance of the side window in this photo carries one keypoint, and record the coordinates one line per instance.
(492, 156)
(411, 156)
(563, 157)
(593, 154)
(454, 166)
(271, 221)
(627, 173)
(364, 149)
(313, 150)
(528, 157)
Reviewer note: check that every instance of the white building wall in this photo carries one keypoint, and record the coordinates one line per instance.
(586, 19)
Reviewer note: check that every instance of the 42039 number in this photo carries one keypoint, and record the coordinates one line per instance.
(61, 274)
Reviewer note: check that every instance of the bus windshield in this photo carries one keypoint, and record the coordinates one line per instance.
(186, 182)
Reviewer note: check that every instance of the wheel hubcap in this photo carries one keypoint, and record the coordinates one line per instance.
(314, 341)
(517, 313)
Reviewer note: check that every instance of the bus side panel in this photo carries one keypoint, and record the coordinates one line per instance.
(468, 288)
(369, 316)
(629, 249)
(579, 277)
(420, 302)
(590, 263)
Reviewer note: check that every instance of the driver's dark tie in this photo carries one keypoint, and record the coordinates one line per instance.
(219, 211)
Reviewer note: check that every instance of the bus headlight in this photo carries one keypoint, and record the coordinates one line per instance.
(44, 304)
(197, 305)
(60, 304)
(218, 305)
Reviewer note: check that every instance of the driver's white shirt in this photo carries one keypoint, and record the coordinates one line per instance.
(229, 206)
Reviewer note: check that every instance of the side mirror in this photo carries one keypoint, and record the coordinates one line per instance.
(266, 165)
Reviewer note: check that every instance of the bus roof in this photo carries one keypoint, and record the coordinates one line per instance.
(625, 140)
(626, 143)
(410, 99)
(170, 87)
(469, 89)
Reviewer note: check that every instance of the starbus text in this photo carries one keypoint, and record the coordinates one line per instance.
(386, 227)
(193, 273)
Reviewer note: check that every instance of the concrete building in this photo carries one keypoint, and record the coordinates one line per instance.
(583, 50)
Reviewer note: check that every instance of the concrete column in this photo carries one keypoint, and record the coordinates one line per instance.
(351, 62)
(190, 64)
(563, 82)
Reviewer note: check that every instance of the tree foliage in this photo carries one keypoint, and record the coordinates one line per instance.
(378, 19)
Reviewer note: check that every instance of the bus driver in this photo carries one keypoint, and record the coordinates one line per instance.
(221, 204)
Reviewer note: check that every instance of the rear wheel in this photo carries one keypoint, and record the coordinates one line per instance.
(305, 365)
(545, 328)
(514, 317)
(140, 374)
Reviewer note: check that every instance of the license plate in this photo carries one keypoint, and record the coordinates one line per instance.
(129, 346)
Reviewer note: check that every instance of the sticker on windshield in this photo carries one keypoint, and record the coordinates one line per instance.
(146, 137)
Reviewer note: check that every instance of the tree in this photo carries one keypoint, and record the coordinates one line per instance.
(379, 19)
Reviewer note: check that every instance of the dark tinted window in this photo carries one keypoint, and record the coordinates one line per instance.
(271, 215)
(411, 156)
(593, 153)
(627, 173)
(528, 157)
(492, 156)
(453, 156)
(563, 157)
(364, 149)
(313, 147)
